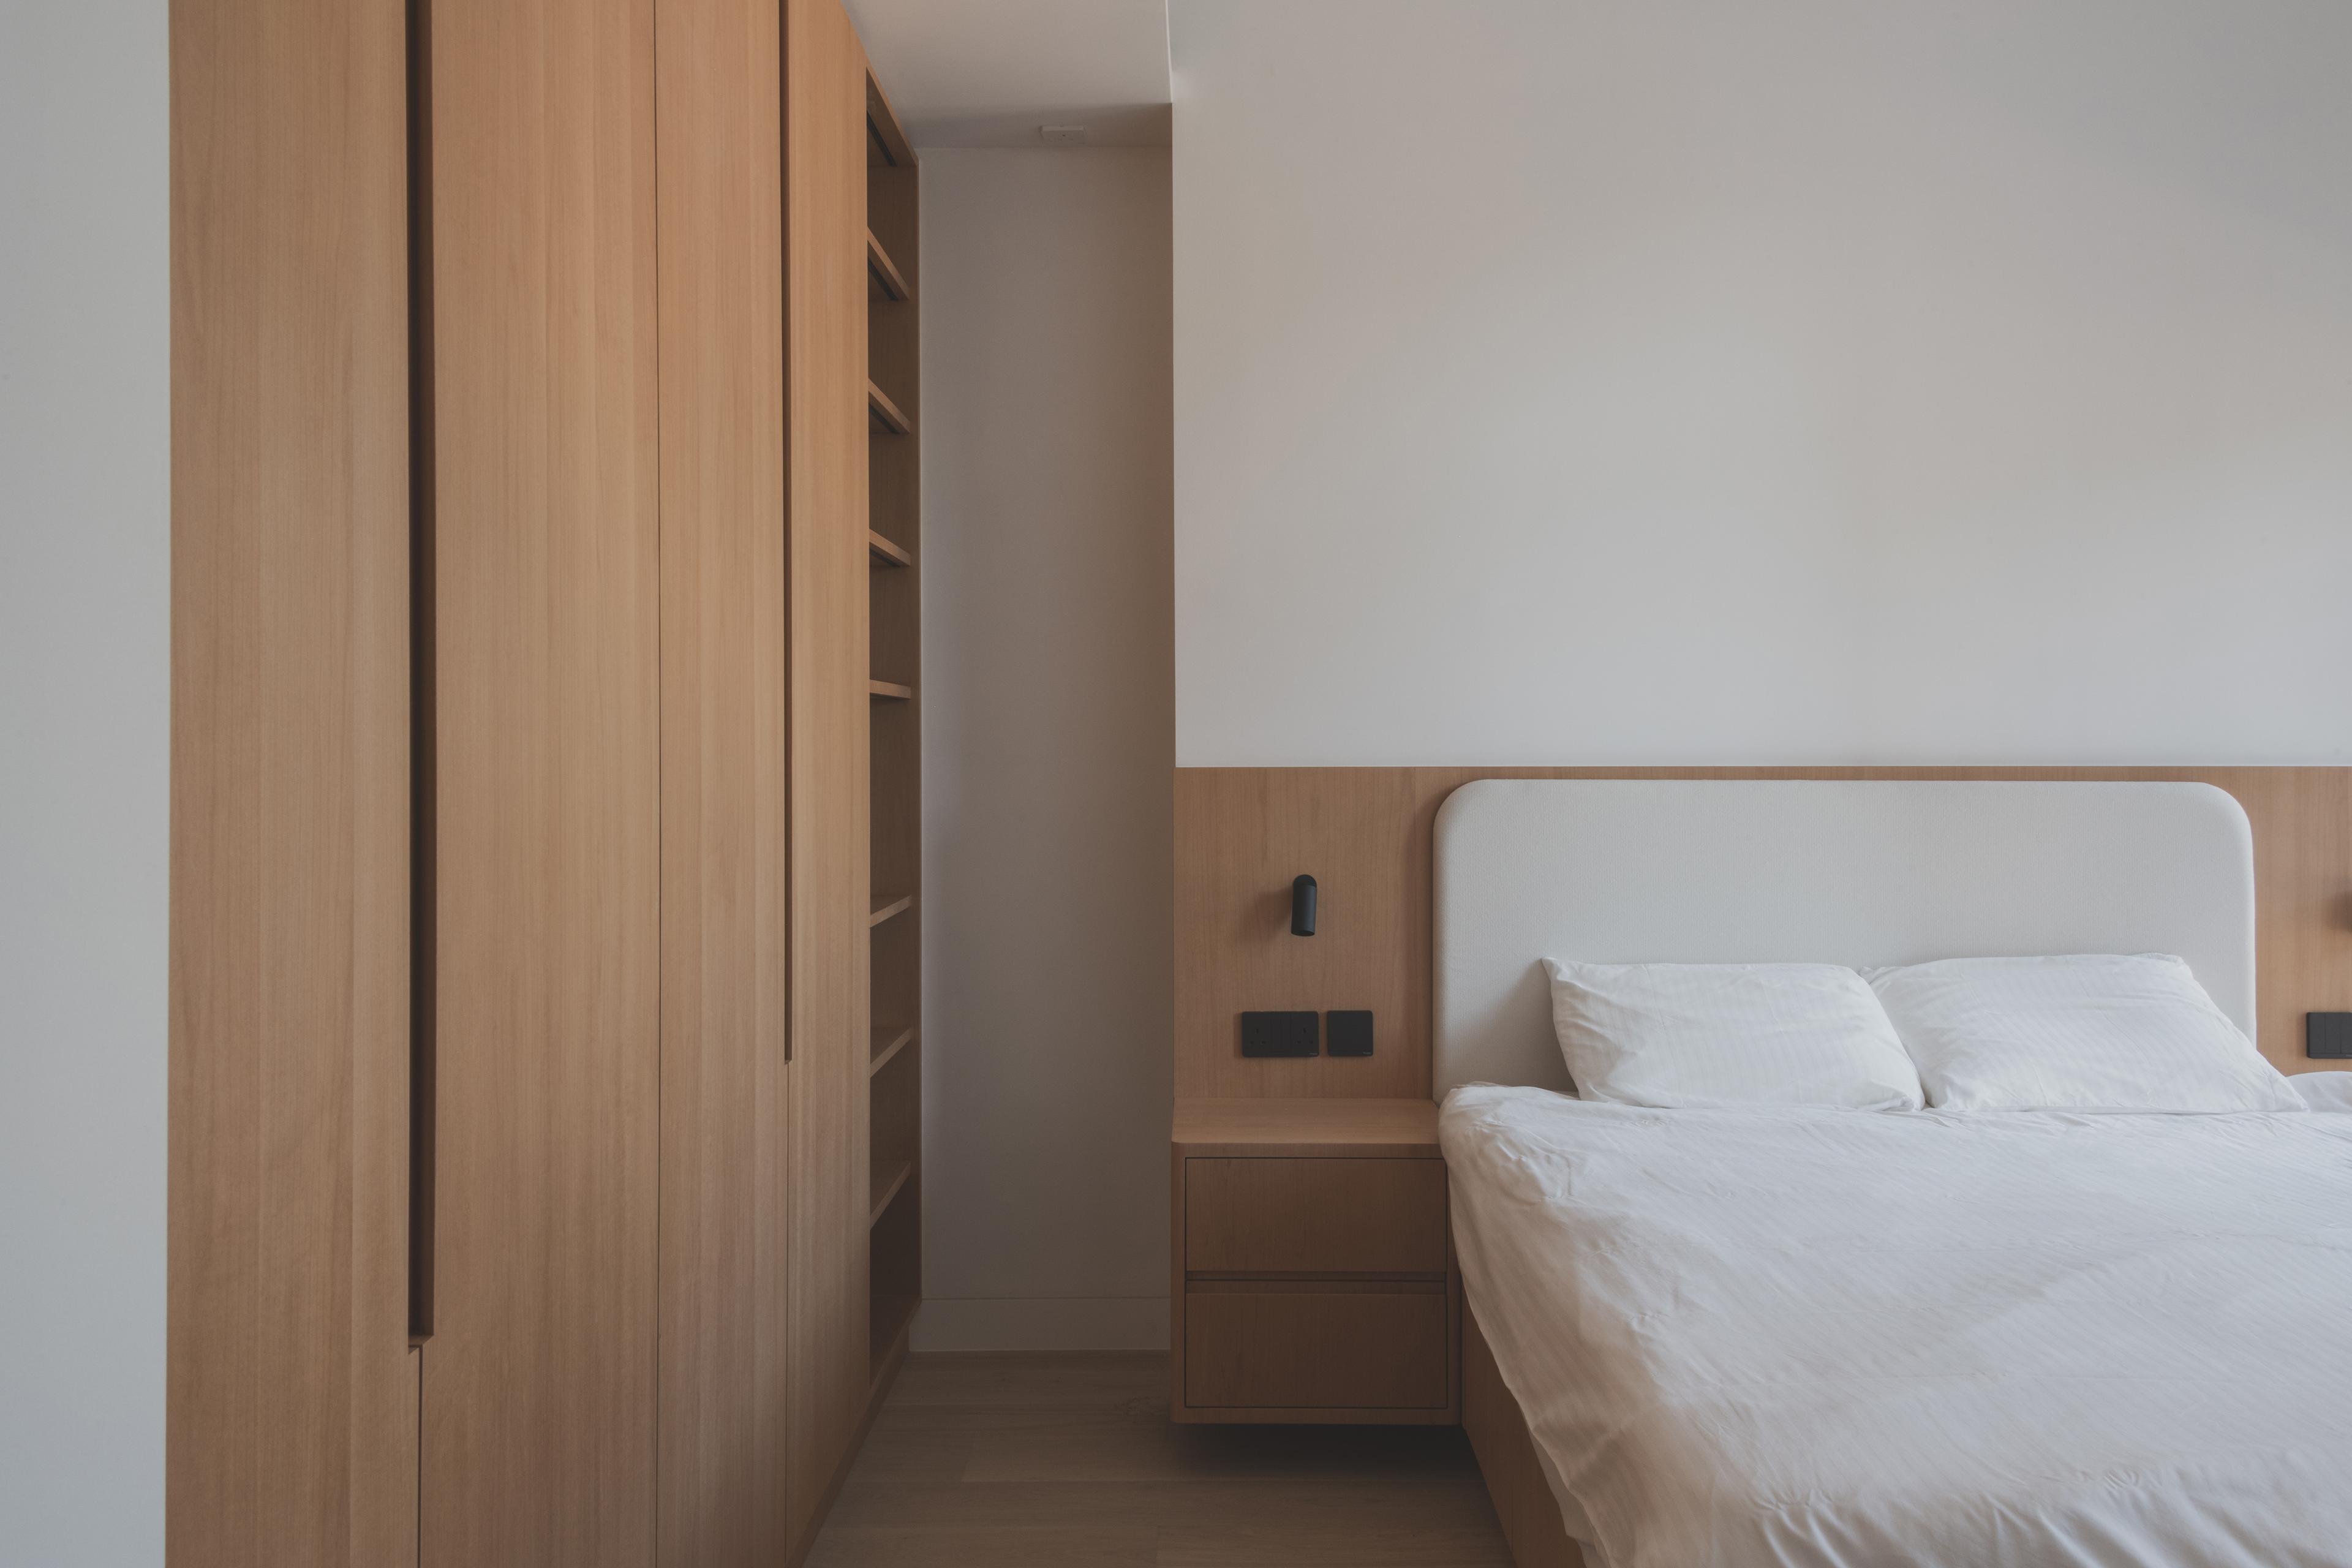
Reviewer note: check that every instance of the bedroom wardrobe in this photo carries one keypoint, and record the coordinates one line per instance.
(538, 552)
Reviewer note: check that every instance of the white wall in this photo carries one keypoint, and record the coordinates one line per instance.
(1047, 725)
(1699, 381)
(84, 581)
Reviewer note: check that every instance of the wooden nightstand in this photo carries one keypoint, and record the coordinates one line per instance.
(1312, 1280)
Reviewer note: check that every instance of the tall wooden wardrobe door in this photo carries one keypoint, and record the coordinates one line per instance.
(539, 1401)
(290, 1427)
(725, 1368)
(825, 100)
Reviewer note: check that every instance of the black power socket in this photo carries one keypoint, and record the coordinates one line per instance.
(1279, 1033)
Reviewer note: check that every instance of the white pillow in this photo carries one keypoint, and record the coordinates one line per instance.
(2325, 1091)
(1701, 1035)
(2095, 1032)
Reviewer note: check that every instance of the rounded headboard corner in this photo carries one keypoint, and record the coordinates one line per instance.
(1459, 798)
(2222, 802)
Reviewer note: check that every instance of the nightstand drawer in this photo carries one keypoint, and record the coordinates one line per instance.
(1314, 1216)
(1264, 1348)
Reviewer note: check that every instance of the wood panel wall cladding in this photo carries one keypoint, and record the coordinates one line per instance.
(522, 858)
(1241, 834)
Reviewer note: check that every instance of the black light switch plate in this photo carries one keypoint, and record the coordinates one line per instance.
(2325, 1035)
(1279, 1033)
(1351, 1034)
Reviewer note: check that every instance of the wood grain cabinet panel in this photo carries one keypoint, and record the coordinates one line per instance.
(539, 1394)
(614, 800)
(289, 1432)
(1314, 1216)
(1312, 1275)
(1365, 1350)
(726, 1373)
(831, 875)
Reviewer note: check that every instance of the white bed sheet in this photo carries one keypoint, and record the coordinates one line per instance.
(1842, 1337)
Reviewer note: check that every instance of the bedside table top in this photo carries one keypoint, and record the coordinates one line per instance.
(1404, 1128)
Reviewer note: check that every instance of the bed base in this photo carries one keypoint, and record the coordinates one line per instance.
(1507, 1458)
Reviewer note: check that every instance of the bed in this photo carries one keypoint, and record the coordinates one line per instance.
(1818, 1337)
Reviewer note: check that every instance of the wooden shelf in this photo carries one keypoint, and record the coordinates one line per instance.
(886, 143)
(897, 1184)
(886, 412)
(883, 280)
(1301, 1128)
(880, 551)
(891, 1317)
(889, 1039)
(890, 691)
(886, 906)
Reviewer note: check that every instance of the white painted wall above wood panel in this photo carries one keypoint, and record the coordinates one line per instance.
(1615, 382)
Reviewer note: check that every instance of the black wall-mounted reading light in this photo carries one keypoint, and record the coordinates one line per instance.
(1302, 906)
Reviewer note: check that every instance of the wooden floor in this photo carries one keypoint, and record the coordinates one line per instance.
(1048, 1461)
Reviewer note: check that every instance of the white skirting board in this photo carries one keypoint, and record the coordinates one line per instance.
(1043, 1323)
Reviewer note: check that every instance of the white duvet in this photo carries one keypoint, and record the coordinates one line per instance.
(1837, 1337)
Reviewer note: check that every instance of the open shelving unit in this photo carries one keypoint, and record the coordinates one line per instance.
(887, 419)
(889, 1039)
(894, 559)
(884, 281)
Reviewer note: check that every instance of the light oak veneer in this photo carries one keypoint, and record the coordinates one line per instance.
(1273, 1216)
(540, 1392)
(726, 1370)
(1309, 1264)
(289, 1435)
(1507, 1458)
(827, 1175)
(613, 670)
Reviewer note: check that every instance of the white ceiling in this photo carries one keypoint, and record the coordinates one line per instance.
(988, 73)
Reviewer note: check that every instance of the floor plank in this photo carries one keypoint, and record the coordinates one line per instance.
(1052, 1461)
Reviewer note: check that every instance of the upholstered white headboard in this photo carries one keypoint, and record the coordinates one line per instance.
(1722, 871)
